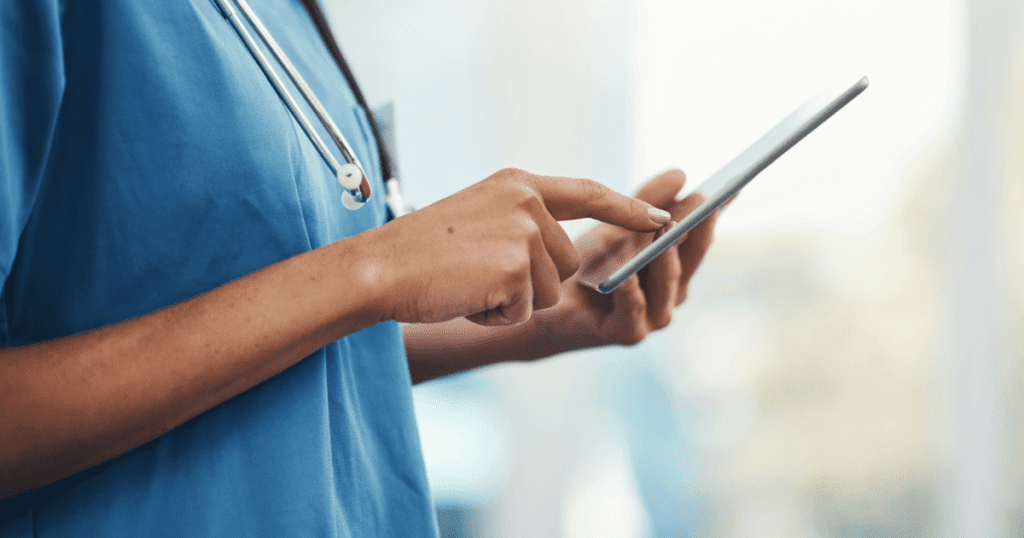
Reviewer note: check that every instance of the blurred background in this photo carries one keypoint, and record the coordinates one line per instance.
(850, 360)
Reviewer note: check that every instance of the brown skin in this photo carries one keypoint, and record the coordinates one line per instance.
(493, 253)
(584, 318)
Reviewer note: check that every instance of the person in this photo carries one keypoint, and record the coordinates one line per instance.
(198, 339)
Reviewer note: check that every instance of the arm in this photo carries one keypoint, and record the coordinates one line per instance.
(69, 404)
(491, 253)
(583, 318)
(442, 349)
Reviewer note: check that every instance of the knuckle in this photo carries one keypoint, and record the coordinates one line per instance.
(634, 337)
(662, 319)
(524, 195)
(496, 299)
(675, 270)
(509, 175)
(638, 312)
(592, 191)
(637, 208)
(517, 186)
(515, 173)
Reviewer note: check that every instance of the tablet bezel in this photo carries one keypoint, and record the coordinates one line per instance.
(728, 181)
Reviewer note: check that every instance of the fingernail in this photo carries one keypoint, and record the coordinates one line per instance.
(659, 215)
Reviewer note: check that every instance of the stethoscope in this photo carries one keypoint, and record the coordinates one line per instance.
(350, 175)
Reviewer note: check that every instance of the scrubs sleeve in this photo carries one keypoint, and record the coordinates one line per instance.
(31, 86)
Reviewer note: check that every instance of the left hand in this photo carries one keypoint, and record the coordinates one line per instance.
(644, 303)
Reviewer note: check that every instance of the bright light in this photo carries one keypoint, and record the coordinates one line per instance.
(711, 77)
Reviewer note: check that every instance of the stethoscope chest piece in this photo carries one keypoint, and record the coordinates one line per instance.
(351, 178)
(350, 201)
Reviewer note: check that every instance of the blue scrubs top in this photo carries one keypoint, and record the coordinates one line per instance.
(145, 159)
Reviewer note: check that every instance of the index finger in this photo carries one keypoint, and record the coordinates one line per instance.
(578, 198)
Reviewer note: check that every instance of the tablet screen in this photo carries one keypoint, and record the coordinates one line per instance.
(728, 181)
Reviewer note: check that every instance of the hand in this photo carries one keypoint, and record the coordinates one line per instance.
(494, 252)
(645, 302)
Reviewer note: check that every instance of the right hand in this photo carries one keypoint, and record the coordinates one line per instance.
(495, 252)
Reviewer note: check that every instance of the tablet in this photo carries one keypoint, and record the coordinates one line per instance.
(728, 181)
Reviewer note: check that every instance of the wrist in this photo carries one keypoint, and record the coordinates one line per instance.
(564, 327)
(366, 276)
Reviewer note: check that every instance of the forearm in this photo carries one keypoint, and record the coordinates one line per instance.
(442, 349)
(69, 404)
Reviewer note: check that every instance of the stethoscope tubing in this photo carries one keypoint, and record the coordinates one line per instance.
(359, 194)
